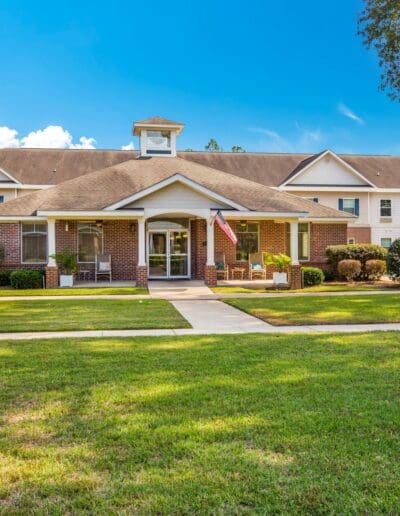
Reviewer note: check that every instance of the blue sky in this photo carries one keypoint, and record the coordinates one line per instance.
(267, 75)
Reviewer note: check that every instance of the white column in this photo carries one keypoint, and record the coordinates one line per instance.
(51, 242)
(294, 242)
(210, 241)
(142, 242)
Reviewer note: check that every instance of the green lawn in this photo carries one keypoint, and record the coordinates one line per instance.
(96, 291)
(93, 314)
(376, 308)
(318, 288)
(277, 424)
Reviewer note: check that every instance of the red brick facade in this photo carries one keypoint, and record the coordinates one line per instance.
(120, 241)
(360, 235)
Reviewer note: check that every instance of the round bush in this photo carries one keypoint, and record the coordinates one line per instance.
(375, 269)
(349, 269)
(360, 252)
(393, 260)
(22, 279)
(312, 276)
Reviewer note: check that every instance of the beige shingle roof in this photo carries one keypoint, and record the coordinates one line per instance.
(99, 189)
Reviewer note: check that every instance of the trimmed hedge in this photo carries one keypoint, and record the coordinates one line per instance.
(5, 280)
(393, 260)
(360, 252)
(349, 269)
(375, 269)
(25, 278)
(312, 276)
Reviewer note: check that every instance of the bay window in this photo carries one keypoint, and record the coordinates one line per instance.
(247, 234)
(90, 241)
(34, 242)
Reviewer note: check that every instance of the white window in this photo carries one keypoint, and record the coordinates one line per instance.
(90, 241)
(386, 242)
(351, 240)
(304, 241)
(158, 142)
(350, 206)
(247, 234)
(386, 208)
(34, 243)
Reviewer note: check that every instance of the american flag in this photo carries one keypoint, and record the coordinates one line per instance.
(225, 227)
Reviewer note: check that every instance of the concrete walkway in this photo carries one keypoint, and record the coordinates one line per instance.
(207, 318)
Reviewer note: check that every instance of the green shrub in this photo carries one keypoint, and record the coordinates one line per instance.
(349, 269)
(312, 276)
(329, 274)
(375, 269)
(5, 280)
(393, 260)
(360, 252)
(25, 278)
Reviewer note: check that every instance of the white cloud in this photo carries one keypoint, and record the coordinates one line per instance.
(52, 137)
(275, 142)
(8, 137)
(130, 146)
(346, 111)
(85, 143)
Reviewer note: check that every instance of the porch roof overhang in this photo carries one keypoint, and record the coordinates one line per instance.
(95, 214)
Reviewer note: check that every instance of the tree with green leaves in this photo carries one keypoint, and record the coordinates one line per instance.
(379, 25)
(212, 146)
(237, 148)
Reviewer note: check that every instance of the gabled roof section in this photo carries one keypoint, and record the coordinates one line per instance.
(6, 177)
(177, 178)
(107, 187)
(347, 176)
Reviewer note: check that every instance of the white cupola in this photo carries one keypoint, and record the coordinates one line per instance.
(157, 136)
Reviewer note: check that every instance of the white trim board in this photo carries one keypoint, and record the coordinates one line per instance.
(7, 174)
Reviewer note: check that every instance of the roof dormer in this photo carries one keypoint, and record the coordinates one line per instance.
(157, 136)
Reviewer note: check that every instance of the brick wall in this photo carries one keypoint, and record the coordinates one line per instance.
(198, 247)
(361, 235)
(10, 239)
(323, 235)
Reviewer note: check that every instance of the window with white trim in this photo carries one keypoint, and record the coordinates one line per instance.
(247, 234)
(304, 241)
(386, 242)
(158, 142)
(34, 242)
(303, 234)
(351, 240)
(349, 206)
(386, 207)
(90, 241)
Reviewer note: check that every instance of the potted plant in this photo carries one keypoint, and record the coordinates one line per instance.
(66, 260)
(281, 262)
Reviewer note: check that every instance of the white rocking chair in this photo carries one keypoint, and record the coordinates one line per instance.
(103, 266)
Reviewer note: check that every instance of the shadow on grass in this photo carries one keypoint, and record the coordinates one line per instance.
(201, 424)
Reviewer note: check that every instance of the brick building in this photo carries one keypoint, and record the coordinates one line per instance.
(153, 212)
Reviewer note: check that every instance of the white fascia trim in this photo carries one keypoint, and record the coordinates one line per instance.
(320, 188)
(99, 214)
(337, 220)
(169, 181)
(19, 186)
(14, 218)
(9, 176)
(230, 214)
(334, 156)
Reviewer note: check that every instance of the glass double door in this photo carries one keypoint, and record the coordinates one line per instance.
(168, 251)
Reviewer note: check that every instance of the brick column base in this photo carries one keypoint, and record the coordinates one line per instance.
(141, 276)
(295, 277)
(210, 276)
(51, 276)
